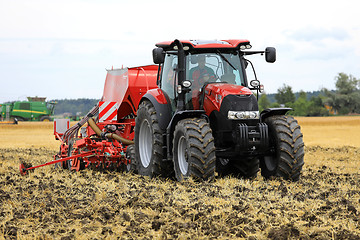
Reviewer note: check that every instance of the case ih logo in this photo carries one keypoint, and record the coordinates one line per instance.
(108, 111)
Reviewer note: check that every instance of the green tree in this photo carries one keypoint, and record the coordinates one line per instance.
(304, 107)
(346, 98)
(275, 105)
(74, 106)
(264, 102)
(316, 107)
(285, 95)
(301, 105)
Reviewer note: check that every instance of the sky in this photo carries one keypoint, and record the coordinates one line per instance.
(61, 49)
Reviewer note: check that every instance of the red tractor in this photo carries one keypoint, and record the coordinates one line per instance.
(203, 116)
(191, 115)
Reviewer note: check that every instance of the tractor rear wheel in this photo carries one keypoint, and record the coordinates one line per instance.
(194, 150)
(149, 143)
(287, 154)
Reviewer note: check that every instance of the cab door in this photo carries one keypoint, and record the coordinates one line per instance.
(169, 79)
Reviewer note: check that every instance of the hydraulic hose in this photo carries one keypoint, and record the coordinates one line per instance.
(71, 132)
(94, 127)
(98, 132)
(119, 138)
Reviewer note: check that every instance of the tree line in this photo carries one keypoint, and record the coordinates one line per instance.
(345, 99)
(74, 107)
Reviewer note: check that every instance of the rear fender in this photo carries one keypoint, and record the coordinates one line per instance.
(161, 104)
(272, 112)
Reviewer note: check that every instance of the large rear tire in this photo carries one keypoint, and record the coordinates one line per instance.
(149, 143)
(287, 157)
(194, 150)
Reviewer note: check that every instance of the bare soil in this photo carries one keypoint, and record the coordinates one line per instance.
(93, 204)
(52, 203)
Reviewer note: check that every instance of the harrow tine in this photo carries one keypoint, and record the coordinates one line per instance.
(25, 167)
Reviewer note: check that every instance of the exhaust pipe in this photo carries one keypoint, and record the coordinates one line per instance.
(98, 132)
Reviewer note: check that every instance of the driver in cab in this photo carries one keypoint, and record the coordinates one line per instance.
(200, 74)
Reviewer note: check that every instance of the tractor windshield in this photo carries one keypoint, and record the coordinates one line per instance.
(200, 69)
(214, 67)
(211, 68)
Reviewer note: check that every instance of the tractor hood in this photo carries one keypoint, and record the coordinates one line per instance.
(223, 97)
(225, 89)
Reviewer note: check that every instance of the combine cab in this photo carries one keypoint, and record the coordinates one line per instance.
(191, 115)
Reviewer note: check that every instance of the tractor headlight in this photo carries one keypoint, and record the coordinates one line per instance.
(243, 115)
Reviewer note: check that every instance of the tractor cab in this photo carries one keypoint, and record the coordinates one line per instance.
(203, 63)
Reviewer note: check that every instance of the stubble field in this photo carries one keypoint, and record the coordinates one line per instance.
(56, 204)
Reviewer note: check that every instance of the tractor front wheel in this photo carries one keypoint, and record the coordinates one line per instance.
(194, 150)
(286, 158)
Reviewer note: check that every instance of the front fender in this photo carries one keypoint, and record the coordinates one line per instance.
(179, 115)
(272, 112)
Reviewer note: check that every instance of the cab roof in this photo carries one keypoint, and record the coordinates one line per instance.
(206, 44)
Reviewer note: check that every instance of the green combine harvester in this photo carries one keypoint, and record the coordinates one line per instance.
(35, 109)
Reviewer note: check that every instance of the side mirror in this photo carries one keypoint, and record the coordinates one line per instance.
(270, 54)
(158, 55)
(255, 83)
(184, 87)
(186, 83)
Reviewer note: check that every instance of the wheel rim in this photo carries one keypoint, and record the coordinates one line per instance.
(270, 163)
(145, 143)
(182, 156)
